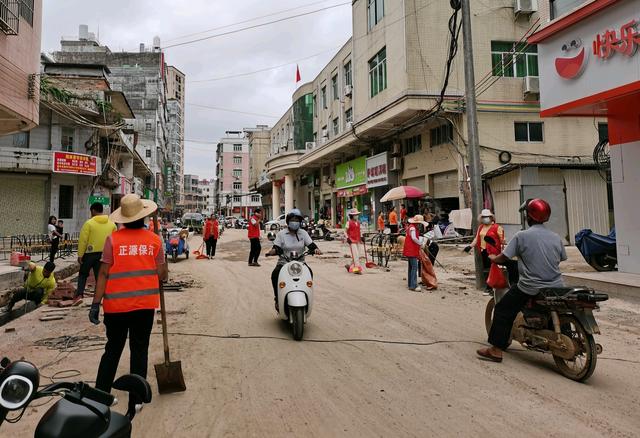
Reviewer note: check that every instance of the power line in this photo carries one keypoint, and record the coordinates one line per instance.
(246, 21)
(255, 26)
(233, 111)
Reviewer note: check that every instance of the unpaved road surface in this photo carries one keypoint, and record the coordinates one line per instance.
(278, 387)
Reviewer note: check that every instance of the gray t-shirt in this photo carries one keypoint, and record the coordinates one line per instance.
(539, 251)
(290, 241)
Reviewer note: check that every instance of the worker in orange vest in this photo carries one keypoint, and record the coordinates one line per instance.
(128, 285)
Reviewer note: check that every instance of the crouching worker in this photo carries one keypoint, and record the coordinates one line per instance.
(40, 282)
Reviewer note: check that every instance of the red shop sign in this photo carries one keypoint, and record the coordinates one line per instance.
(625, 43)
(78, 164)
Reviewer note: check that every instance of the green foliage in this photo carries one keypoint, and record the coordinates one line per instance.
(49, 90)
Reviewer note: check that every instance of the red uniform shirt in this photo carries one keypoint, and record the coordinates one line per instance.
(353, 231)
(411, 249)
(254, 227)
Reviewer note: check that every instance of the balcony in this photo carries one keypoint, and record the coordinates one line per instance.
(9, 16)
(26, 160)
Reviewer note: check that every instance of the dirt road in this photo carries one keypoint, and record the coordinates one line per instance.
(278, 387)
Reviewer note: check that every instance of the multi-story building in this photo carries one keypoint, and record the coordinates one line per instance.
(232, 170)
(142, 77)
(193, 197)
(375, 117)
(78, 154)
(175, 81)
(20, 31)
(259, 145)
(208, 188)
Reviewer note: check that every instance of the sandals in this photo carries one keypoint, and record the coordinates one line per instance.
(485, 354)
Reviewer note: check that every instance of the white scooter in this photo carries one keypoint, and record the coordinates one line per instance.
(295, 293)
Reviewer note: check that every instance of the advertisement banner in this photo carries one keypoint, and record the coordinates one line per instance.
(104, 200)
(377, 171)
(352, 173)
(77, 164)
(354, 191)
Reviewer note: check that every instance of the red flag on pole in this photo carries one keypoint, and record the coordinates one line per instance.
(298, 78)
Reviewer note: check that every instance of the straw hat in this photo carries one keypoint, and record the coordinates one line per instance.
(353, 212)
(486, 213)
(418, 219)
(133, 208)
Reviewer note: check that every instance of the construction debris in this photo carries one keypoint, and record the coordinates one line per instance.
(52, 317)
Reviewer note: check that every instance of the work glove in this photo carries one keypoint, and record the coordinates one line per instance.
(467, 249)
(349, 241)
(94, 313)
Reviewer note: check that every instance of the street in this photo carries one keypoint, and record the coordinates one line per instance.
(356, 373)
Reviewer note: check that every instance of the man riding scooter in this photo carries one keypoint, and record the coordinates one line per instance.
(539, 251)
(291, 239)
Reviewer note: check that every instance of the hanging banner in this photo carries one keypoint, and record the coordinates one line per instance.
(77, 164)
(377, 171)
(352, 173)
(354, 191)
(104, 200)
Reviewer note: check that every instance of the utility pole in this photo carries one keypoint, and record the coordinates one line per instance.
(473, 148)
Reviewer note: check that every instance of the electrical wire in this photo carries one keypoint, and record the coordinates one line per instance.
(255, 26)
(232, 111)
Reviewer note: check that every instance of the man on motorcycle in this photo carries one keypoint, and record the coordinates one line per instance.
(539, 251)
(291, 239)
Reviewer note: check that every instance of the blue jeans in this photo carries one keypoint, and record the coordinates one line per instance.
(412, 275)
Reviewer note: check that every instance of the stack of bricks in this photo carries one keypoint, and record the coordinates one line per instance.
(63, 295)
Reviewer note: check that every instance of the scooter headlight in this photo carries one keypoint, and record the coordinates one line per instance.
(19, 382)
(295, 269)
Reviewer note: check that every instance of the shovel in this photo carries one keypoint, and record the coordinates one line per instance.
(169, 374)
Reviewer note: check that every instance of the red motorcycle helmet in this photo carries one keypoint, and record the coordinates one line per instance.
(537, 209)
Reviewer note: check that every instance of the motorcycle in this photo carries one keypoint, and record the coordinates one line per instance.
(175, 245)
(559, 321)
(295, 292)
(599, 251)
(326, 234)
(82, 411)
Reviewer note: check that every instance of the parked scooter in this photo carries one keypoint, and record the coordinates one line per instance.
(82, 412)
(599, 251)
(295, 292)
(326, 234)
(559, 321)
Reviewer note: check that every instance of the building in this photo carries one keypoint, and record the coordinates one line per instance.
(142, 76)
(193, 199)
(259, 145)
(208, 188)
(590, 67)
(20, 33)
(175, 81)
(78, 154)
(375, 116)
(232, 170)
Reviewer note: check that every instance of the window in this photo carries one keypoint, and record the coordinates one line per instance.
(336, 126)
(21, 140)
(65, 202)
(255, 198)
(237, 173)
(513, 60)
(375, 12)
(378, 72)
(560, 7)
(237, 185)
(348, 116)
(528, 131)
(148, 153)
(442, 134)
(603, 132)
(26, 11)
(237, 160)
(315, 105)
(323, 93)
(149, 126)
(325, 132)
(237, 148)
(67, 139)
(237, 199)
(413, 144)
(315, 137)
(334, 87)
(347, 74)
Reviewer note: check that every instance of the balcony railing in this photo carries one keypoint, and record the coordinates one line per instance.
(9, 16)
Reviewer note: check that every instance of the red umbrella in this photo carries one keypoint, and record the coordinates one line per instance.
(403, 192)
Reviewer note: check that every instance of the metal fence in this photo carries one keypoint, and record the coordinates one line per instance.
(38, 246)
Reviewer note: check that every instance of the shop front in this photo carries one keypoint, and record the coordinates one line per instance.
(590, 66)
(352, 192)
(377, 182)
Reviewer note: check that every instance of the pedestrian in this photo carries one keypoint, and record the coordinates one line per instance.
(211, 235)
(381, 222)
(403, 214)
(411, 250)
(487, 227)
(93, 235)
(354, 236)
(254, 237)
(39, 284)
(393, 220)
(133, 264)
(54, 237)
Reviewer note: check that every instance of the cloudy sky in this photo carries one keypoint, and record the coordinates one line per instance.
(124, 24)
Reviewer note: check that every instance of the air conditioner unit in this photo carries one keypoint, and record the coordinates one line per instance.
(325, 133)
(348, 90)
(348, 126)
(395, 163)
(525, 6)
(310, 145)
(531, 85)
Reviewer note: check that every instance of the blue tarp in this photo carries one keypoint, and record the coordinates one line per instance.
(591, 244)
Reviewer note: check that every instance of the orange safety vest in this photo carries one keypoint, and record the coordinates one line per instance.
(133, 282)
